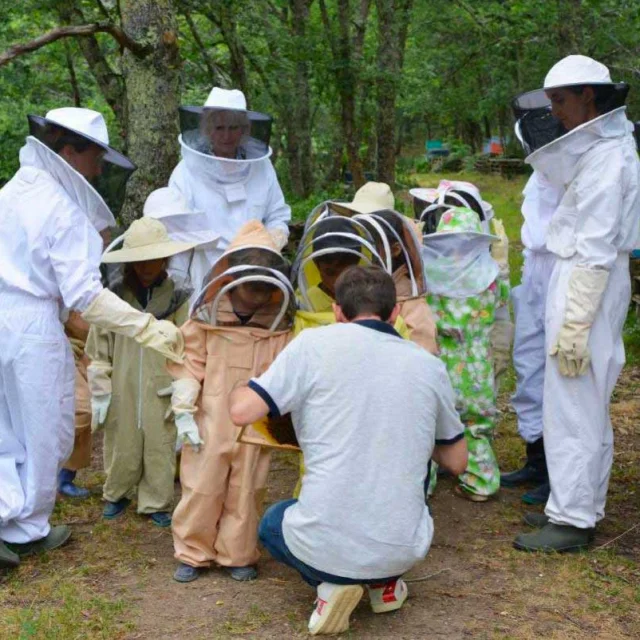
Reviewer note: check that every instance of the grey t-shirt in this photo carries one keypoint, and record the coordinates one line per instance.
(367, 408)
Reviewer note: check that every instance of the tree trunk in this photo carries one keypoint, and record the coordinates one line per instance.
(393, 21)
(151, 98)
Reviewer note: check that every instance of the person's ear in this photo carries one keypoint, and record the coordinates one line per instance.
(394, 314)
(588, 96)
(337, 311)
(396, 249)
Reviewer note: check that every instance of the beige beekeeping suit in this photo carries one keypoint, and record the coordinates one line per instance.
(223, 484)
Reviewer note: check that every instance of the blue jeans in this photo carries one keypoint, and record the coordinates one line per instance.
(270, 534)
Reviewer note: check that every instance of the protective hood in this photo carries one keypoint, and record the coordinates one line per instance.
(182, 224)
(557, 161)
(422, 198)
(536, 126)
(36, 154)
(388, 227)
(334, 238)
(221, 139)
(457, 261)
(70, 124)
(250, 259)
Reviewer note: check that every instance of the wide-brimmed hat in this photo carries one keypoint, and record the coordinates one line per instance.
(146, 239)
(86, 123)
(181, 222)
(370, 197)
(461, 220)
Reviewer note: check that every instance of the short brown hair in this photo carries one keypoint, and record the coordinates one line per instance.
(366, 291)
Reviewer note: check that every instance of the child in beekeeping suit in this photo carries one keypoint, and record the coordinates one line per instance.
(399, 245)
(465, 290)
(427, 203)
(238, 324)
(139, 442)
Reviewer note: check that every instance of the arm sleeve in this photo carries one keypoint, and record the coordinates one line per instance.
(99, 349)
(75, 250)
(419, 320)
(282, 385)
(195, 353)
(278, 213)
(599, 190)
(449, 428)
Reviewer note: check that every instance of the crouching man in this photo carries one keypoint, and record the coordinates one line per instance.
(369, 410)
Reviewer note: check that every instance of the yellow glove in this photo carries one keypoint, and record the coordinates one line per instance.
(584, 293)
(500, 248)
(77, 346)
(110, 312)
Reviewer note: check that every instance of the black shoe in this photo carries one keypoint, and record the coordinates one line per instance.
(186, 573)
(534, 470)
(56, 537)
(554, 538)
(8, 559)
(538, 495)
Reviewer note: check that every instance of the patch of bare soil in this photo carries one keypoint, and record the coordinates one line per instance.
(472, 584)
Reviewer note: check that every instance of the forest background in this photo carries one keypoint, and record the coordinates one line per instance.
(354, 86)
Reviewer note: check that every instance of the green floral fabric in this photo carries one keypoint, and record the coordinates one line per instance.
(464, 328)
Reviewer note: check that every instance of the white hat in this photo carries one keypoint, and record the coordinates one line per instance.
(577, 70)
(370, 197)
(146, 239)
(232, 99)
(182, 223)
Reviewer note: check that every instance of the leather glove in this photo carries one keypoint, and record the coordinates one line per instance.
(110, 312)
(99, 409)
(188, 432)
(280, 237)
(571, 346)
(500, 248)
(184, 394)
(99, 378)
(77, 346)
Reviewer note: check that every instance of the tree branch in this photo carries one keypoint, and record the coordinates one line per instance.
(75, 31)
(214, 70)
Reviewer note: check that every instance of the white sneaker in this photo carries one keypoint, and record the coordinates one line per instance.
(388, 596)
(334, 605)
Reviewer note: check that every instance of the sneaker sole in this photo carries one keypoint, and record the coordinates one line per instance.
(336, 620)
(386, 607)
(471, 497)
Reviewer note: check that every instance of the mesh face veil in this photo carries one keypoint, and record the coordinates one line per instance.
(114, 168)
(263, 271)
(227, 134)
(332, 243)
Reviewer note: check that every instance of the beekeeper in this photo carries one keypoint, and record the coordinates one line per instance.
(226, 173)
(534, 129)
(591, 234)
(51, 213)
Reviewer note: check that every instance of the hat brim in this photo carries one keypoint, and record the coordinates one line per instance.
(347, 208)
(150, 252)
(111, 155)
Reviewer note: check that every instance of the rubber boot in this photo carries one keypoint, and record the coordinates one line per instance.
(8, 559)
(534, 470)
(540, 520)
(554, 538)
(538, 495)
(56, 537)
(66, 486)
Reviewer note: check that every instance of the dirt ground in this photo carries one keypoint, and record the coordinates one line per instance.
(114, 579)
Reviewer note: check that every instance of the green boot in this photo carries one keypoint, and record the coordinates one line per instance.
(8, 559)
(554, 538)
(54, 539)
(539, 520)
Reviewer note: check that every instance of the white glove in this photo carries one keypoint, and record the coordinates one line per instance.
(185, 392)
(500, 248)
(99, 378)
(188, 432)
(280, 237)
(99, 410)
(584, 293)
(112, 313)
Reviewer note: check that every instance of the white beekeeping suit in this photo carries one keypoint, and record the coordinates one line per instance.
(226, 173)
(541, 199)
(50, 216)
(591, 233)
